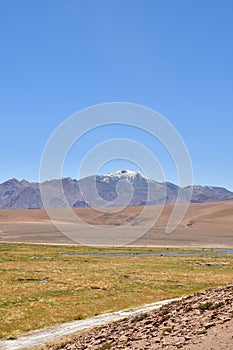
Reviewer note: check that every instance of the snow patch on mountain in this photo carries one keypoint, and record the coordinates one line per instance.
(124, 174)
(127, 175)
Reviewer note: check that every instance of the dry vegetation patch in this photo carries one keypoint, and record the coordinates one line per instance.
(43, 285)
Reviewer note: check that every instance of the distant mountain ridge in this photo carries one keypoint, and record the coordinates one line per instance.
(113, 189)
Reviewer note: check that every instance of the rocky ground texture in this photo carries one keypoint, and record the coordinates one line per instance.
(201, 321)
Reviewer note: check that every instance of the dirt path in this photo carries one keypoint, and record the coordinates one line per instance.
(40, 337)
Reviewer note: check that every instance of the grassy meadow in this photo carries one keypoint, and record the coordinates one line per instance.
(41, 285)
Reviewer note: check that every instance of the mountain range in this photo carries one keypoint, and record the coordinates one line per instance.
(113, 189)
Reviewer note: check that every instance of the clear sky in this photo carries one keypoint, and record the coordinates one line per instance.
(60, 56)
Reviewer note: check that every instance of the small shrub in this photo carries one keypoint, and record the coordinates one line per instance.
(206, 306)
(105, 346)
(167, 330)
(210, 306)
(202, 331)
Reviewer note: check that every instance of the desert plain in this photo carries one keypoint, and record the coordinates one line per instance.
(204, 225)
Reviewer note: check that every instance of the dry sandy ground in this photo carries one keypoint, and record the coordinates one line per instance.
(202, 321)
(209, 224)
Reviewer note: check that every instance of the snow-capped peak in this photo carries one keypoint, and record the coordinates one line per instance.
(203, 187)
(127, 175)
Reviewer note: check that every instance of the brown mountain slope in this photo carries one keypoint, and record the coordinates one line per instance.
(115, 189)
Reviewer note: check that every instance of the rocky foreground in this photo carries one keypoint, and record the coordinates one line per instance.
(201, 321)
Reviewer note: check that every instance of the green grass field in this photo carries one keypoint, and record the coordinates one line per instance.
(41, 287)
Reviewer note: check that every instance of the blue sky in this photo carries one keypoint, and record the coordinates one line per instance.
(58, 57)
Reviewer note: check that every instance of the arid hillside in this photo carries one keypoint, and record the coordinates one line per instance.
(206, 224)
(202, 321)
